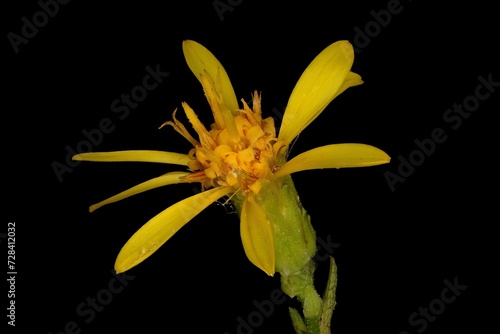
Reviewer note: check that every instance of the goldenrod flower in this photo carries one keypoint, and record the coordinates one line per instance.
(241, 156)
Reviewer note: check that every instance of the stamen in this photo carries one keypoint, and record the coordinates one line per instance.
(205, 138)
(256, 106)
(224, 118)
(249, 113)
(195, 177)
(181, 129)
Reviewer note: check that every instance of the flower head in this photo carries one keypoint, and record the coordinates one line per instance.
(240, 155)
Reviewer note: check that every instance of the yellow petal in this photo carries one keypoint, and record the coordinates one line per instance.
(136, 156)
(335, 156)
(257, 236)
(163, 226)
(164, 180)
(320, 83)
(199, 60)
(352, 79)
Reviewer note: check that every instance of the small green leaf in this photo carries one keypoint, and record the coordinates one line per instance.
(329, 299)
(297, 321)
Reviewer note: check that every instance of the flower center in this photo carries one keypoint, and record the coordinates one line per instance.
(238, 151)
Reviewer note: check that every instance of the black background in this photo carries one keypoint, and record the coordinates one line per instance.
(395, 247)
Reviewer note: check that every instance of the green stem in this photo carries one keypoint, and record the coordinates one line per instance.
(295, 247)
(317, 311)
(301, 285)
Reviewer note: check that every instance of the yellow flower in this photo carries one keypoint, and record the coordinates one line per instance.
(241, 156)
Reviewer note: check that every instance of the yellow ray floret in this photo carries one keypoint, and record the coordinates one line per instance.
(320, 83)
(163, 226)
(201, 60)
(335, 156)
(135, 156)
(257, 236)
(352, 79)
(160, 181)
